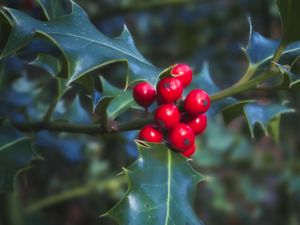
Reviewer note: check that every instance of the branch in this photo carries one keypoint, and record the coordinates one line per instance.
(91, 129)
(252, 84)
(76, 192)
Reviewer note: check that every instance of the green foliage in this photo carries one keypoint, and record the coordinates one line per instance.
(48, 63)
(53, 9)
(260, 50)
(162, 185)
(289, 12)
(266, 115)
(15, 154)
(83, 47)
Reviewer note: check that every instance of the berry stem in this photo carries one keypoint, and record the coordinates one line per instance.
(252, 84)
(245, 83)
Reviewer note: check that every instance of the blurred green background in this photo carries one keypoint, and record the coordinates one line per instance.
(252, 181)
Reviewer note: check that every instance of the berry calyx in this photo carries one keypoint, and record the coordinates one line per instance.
(150, 134)
(169, 89)
(183, 73)
(167, 116)
(181, 137)
(198, 123)
(144, 94)
(188, 153)
(196, 102)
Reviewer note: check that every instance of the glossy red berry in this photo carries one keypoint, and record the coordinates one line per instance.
(188, 153)
(181, 137)
(144, 94)
(198, 123)
(169, 89)
(167, 116)
(151, 134)
(196, 102)
(183, 73)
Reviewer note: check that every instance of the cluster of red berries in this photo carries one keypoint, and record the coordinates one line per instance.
(177, 121)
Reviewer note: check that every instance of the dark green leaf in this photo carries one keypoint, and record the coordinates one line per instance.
(15, 154)
(73, 112)
(263, 114)
(235, 110)
(48, 63)
(83, 47)
(108, 89)
(53, 8)
(261, 49)
(289, 12)
(154, 196)
(121, 104)
(289, 80)
(268, 116)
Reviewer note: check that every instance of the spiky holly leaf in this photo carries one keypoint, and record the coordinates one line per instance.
(71, 112)
(15, 154)
(263, 114)
(83, 47)
(162, 186)
(203, 80)
(48, 63)
(289, 80)
(111, 102)
(266, 115)
(261, 49)
(54, 8)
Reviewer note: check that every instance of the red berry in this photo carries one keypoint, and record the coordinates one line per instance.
(197, 123)
(183, 73)
(150, 134)
(181, 137)
(196, 102)
(169, 89)
(167, 116)
(144, 94)
(188, 153)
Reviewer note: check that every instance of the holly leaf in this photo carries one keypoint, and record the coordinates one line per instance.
(289, 13)
(16, 152)
(263, 114)
(203, 80)
(162, 184)
(48, 63)
(54, 8)
(260, 49)
(73, 112)
(266, 115)
(83, 47)
(111, 102)
(121, 104)
(289, 80)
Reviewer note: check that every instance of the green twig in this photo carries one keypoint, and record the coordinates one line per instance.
(53, 103)
(277, 55)
(245, 84)
(252, 84)
(248, 74)
(75, 193)
(91, 129)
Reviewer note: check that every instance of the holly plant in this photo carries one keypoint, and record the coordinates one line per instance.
(169, 107)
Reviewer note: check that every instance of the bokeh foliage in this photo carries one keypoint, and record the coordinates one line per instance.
(253, 180)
